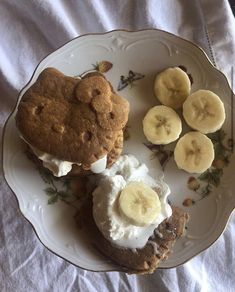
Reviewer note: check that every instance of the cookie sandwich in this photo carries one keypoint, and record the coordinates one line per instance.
(136, 225)
(72, 125)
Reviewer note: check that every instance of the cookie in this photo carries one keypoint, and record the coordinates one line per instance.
(76, 120)
(157, 249)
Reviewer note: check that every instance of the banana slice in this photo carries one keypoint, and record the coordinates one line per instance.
(204, 111)
(139, 204)
(194, 152)
(172, 87)
(162, 125)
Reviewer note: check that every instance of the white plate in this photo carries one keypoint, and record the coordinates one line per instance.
(144, 52)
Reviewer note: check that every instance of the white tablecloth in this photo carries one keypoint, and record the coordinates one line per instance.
(29, 30)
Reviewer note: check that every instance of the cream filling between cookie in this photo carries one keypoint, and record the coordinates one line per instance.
(110, 222)
(60, 167)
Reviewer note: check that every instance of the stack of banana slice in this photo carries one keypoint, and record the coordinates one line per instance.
(203, 111)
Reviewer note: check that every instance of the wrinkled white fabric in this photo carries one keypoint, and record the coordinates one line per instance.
(31, 29)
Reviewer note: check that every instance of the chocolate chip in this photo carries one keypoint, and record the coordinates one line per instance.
(39, 109)
(86, 136)
(96, 92)
(112, 115)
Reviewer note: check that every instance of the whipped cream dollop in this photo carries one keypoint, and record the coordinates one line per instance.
(115, 227)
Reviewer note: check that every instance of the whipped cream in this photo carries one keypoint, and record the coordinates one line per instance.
(99, 165)
(60, 167)
(56, 166)
(110, 222)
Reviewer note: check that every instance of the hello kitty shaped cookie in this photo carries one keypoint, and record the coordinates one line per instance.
(77, 120)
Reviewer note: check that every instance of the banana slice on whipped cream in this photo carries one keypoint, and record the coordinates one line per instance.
(139, 203)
